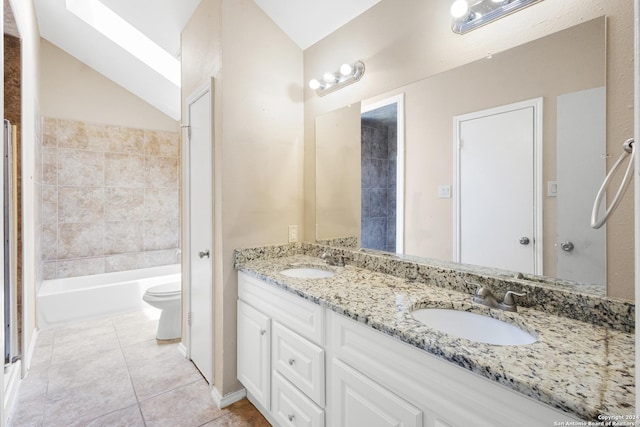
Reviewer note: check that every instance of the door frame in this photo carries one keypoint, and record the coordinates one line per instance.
(400, 160)
(186, 222)
(537, 105)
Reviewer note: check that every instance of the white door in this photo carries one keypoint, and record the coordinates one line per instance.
(497, 223)
(581, 135)
(201, 230)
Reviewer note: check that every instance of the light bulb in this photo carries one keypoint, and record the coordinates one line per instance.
(329, 77)
(314, 84)
(460, 9)
(346, 69)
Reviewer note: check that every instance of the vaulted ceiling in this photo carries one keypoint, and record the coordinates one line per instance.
(99, 33)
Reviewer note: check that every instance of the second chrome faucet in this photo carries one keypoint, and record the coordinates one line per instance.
(484, 296)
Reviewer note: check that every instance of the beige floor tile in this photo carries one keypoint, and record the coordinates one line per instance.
(77, 405)
(163, 375)
(187, 406)
(85, 347)
(63, 376)
(127, 417)
(88, 374)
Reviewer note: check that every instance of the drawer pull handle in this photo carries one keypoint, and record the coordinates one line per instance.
(263, 331)
(292, 361)
(291, 417)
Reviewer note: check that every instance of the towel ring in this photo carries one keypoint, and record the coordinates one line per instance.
(628, 149)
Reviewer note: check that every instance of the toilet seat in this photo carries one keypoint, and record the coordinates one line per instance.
(165, 290)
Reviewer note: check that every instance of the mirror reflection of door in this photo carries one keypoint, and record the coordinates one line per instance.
(498, 220)
(382, 161)
(581, 250)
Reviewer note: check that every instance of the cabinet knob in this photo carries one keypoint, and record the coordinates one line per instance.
(263, 331)
(292, 361)
(291, 417)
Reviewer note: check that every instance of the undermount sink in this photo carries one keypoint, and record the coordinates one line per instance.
(474, 327)
(307, 273)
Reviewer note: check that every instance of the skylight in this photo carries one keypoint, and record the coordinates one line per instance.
(112, 26)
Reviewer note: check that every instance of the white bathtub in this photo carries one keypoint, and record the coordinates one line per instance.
(62, 301)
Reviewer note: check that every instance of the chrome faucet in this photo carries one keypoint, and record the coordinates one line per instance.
(484, 296)
(337, 260)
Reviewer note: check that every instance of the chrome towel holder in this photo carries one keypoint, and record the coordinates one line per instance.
(628, 149)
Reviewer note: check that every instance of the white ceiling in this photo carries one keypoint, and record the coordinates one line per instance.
(308, 21)
(162, 21)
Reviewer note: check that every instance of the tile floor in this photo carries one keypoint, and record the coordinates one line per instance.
(112, 372)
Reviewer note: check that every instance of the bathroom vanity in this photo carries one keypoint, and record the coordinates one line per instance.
(345, 350)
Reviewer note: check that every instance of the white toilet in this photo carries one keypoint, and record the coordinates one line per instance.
(167, 298)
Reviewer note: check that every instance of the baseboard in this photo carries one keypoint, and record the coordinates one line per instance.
(183, 350)
(26, 359)
(227, 399)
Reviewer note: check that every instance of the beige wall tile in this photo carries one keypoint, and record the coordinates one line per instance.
(161, 203)
(101, 183)
(161, 172)
(164, 257)
(123, 170)
(49, 205)
(80, 267)
(50, 165)
(125, 140)
(122, 204)
(124, 262)
(123, 236)
(49, 270)
(80, 204)
(77, 240)
(161, 234)
(158, 143)
(49, 129)
(76, 167)
(50, 241)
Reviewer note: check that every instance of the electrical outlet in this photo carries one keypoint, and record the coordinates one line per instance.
(293, 233)
(444, 191)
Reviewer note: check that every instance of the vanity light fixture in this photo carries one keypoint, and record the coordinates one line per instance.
(471, 14)
(348, 73)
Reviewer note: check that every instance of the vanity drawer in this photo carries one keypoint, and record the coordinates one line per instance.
(299, 361)
(298, 314)
(290, 407)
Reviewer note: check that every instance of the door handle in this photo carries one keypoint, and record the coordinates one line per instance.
(567, 246)
(524, 240)
(204, 253)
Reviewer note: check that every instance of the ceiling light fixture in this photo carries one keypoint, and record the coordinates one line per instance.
(348, 73)
(471, 14)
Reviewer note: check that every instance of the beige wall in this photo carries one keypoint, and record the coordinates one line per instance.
(403, 41)
(72, 90)
(338, 199)
(258, 147)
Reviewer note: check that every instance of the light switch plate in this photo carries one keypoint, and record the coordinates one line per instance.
(293, 233)
(552, 188)
(444, 191)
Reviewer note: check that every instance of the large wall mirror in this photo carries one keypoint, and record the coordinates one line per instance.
(421, 203)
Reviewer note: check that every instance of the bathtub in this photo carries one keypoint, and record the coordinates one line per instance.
(68, 300)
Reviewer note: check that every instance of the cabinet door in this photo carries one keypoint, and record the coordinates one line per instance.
(254, 364)
(359, 401)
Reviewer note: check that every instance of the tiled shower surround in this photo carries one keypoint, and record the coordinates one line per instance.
(110, 198)
(379, 152)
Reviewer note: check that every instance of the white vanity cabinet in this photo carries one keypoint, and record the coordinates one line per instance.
(307, 366)
(281, 360)
(254, 355)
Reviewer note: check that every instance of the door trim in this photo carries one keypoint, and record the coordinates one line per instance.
(186, 221)
(537, 105)
(400, 160)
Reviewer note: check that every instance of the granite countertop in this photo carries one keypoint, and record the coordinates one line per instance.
(580, 368)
